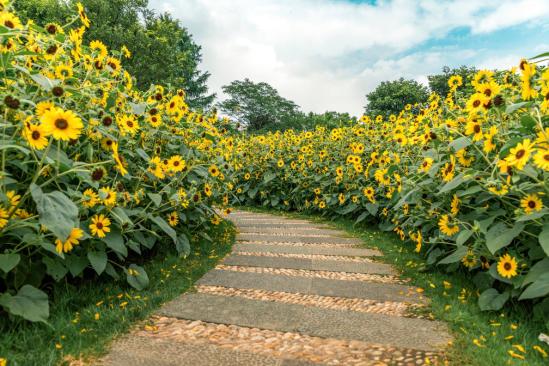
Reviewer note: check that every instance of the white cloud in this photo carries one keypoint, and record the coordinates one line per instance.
(327, 54)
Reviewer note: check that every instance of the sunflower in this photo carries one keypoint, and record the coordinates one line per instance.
(426, 165)
(447, 228)
(155, 121)
(507, 266)
(207, 190)
(128, 124)
(63, 71)
(36, 136)
(83, 17)
(531, 203)
(247, 176)
(3, 217)
(322, 204)
(117, 159)
(448, 170)
(108, 195)
(454, 82)
(341, 198)
(215, 220)
(43, 107)
(155, 168)
(100, 47)
(214, 171)
(519, 155)
(476, 103)
(339, 171)
(62, 125)
(9, 20)
(173, 218)
(75, 235)
(455, 205)
(90, 198)
(469, 260)
(177, 164)
(474, 128)
(541, 159)
(100, 225)
(280, 163)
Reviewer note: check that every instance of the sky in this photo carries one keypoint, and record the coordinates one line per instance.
(328, 54)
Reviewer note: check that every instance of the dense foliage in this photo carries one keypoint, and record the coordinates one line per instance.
(390, 97)
(438, 83)
(257, 105)
(93, 172)
(163, 52)
(464, 178)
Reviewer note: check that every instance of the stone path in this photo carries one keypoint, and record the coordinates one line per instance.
(295, 293)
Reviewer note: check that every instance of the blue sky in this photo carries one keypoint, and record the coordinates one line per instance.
(327, 54)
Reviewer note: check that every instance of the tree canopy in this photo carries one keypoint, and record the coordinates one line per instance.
(390, 97)
(257, 105)
(163, 51)
(438, 83)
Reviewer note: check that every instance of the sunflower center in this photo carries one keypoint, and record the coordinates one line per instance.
(130, 124)
(477, 128)
(99, 225)
(61, 123)
(507, 266)
(35, 135)
(176, 163)
(520, 153)
(476, 103)
(532, 204)
(546, 157)
(9, 24)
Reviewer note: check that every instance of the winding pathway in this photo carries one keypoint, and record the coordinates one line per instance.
(294, 293)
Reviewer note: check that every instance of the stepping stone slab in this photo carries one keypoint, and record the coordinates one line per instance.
(290, 249)
(282, 225)
(150, 351)
(414, 333)
(312, 286)
(294, 231)
(309, 264)
(297, 239)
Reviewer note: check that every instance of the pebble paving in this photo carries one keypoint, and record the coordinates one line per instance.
(292, 292)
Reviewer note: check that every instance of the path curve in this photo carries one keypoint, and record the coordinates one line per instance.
(292, 292)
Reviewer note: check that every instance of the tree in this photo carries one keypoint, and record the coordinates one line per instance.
(390, 97)
(163, 52)
(257, 105)
(438, 83)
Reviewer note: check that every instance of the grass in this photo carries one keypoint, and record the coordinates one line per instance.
(85, 317)
(455, 304)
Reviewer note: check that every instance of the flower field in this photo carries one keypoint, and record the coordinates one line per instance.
(94, 173)
(462, 179)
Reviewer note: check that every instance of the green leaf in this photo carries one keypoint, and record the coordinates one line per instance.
(120, 215)
(165, 227)
(143, 154)
(98, 260)
(528, 122)
(544, 238)
(183, 245)
(115, 241)
(138, 109)
(536, 271)
(269, 177)
(137, 277)
(156, 198)
(45, 82)
(460, 143)
(29, 303)
(76, 264)
(454, 183)
(372, 208)
(57, 212)
(463, 236)
(362, 217)
(500, 235)
(9, 261)
(539, 288)
(491, 299)
(513, 107)
(545, 54)
(455, 257)
(55, 268)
